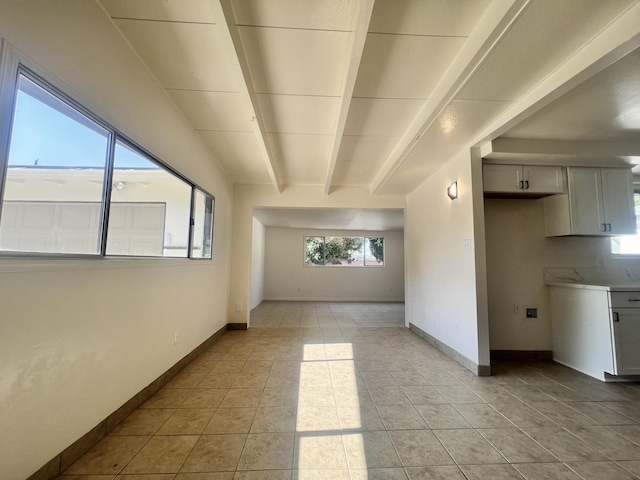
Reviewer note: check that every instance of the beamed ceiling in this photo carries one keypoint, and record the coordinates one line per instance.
(379, 94)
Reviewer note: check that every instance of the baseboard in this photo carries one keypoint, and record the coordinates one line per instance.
(479, 370)
(522, 355)
(333, 299)
(236, 326)
(64, 459)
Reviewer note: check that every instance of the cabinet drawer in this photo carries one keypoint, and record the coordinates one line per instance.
(625, 299)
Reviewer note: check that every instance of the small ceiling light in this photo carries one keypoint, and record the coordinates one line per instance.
(452, 191)
(119, 186)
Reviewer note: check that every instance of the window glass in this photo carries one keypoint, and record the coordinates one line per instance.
(202, 225)
(629, 244)
(150, 208)
(53, 190)
(374, 252)
(344, 251)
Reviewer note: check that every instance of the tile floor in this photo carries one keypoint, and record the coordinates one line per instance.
(344, 391)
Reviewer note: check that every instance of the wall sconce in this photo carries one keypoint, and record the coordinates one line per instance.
(452, 191)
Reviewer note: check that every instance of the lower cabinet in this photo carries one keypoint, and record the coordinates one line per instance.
(596, 331)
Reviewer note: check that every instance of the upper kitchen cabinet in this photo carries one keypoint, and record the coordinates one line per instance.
(599, 202)
(523, 179)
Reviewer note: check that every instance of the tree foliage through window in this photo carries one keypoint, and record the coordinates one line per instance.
(345, 251)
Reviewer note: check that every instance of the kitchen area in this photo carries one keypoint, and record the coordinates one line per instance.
(556, 289)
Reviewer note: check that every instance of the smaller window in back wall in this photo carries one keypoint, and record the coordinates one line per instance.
(344, 251)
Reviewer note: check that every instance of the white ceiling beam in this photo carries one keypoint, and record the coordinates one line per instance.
(493, 25)
(230, 37)
(619, 38)
(359, 38)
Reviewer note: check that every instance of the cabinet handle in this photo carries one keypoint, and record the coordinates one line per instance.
(604, 227)
(616, 317)
(526, 184)
(521, 185)
(633, 300)
(609, 227)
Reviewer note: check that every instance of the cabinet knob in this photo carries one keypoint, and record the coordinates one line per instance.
(616, 317)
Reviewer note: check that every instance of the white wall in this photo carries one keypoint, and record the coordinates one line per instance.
(248, 197)
(256, 294)
(287, 278)
(517, 254)
(445, 260)
(78, 338)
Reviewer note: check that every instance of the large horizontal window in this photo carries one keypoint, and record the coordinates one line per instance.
(72, 185)
(344, 251)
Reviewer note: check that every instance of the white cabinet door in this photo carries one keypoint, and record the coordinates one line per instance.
(617, 201)
(626, 328)
(585, 198)
(502, 178)
(539, 179)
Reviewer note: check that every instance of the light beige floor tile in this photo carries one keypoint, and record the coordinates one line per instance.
(401, 417)
(493, 394)
(322, 474)
(274, 419)
(388, 395)
(442, 416)
(468, 447)
(527, 393)
(481, 415)
(146, 476)
(633, 467)
(144, 421)
(409, 377)
(378, 474)
(423, 394)
(628, 409)
(229, 367)
(321, 396)
(162, 454)
(631, 432)
(88, 477)
(515, 446)
(204, 398)
(378, 379)
(230, 420)
(264, 475)
(267, 451)
(185, 380)
(279, 397)
(370, 449)
(167, 398)
(109, 456)
(419, 448)
(546, 471)
(363, 417)
(218, 380)
(435, 473)
(215, 453)
(608, 442)
(458, 394)
(250, 380)
(351, 395)
(601, 471)
(320, 451)
(562, 414)
(523, 415)
(600, 414)
(563, 444)
(439, 378)
(185, 421)
(241, 398)
(313, 419)
(204, 476)
(492, 472)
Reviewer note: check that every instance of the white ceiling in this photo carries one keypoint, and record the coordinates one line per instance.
(381, 93)
(332, 218)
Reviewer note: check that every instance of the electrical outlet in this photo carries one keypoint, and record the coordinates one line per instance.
(531, 312)
(176, 338)
(238, 308)
(516, 308)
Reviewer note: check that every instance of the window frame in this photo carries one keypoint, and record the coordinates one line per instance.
(364, 256)
(615, 239)
(12, 67)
